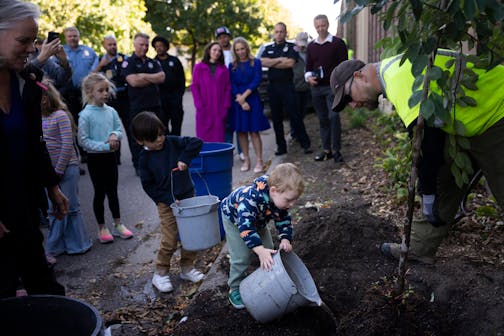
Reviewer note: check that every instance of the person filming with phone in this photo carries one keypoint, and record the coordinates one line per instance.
(52, 59)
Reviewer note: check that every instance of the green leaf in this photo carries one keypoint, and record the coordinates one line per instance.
(452, 150)
(417, 82)
(459, 161)
(467, 164)
(390, 15)
(459, 128)
(419, 65)
(456, 174)
(347, 16)
(434, 73)
(461, 103)
(469, 100)
(427, 108)
(429, 45)
(450, 63)
(469, 84)
(452, 140)
(464, 143)
(415, 98)
(486, 211)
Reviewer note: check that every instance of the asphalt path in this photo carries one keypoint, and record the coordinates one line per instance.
(139, 213)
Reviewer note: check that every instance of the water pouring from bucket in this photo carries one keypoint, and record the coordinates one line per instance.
(268, 295)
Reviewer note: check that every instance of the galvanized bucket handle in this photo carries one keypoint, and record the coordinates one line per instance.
(171, 186)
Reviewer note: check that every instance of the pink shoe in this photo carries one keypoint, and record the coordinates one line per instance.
(105, 237)
(122, 231)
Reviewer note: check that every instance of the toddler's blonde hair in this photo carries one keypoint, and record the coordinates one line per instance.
(89, 82)
(286, 176)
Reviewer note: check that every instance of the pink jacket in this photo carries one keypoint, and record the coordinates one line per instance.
(212, 99)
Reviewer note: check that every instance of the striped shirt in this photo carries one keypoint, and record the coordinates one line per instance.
(59, 140)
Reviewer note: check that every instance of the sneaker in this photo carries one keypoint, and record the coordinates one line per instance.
(393, 251)
(242, 156)
(122, 231)
(193, 275)
(105, 237)
(235, 299)
(162, 283)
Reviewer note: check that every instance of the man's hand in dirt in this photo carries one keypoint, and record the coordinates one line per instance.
(3, 230)
(59, 201)
(285, 245)
(265, 258)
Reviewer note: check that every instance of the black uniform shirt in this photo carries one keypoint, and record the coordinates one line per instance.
(113, 71)
(174, 75)
(142, 97)
(275, 50)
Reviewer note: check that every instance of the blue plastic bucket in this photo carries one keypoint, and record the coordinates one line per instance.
(215, 165)
(53, 315)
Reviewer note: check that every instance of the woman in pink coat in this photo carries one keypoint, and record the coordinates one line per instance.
(211, 90)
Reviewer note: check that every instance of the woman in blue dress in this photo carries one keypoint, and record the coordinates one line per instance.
(247, 114)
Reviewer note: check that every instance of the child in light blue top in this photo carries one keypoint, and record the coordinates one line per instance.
(100, 135)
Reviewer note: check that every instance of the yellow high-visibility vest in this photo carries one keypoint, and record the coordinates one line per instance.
(397, 82)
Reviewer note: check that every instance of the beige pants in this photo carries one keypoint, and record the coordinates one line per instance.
(168, 244)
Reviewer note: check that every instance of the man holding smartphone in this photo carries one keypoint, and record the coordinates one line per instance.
(51, 58)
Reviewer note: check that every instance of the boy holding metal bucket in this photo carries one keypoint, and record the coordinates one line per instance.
(245, 213)
(160, 155)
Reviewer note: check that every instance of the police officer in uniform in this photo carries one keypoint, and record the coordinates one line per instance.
(280, 57)
(143, 75)
(110, 65)
(173, 88)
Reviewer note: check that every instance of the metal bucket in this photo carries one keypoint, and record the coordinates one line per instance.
(197, 222)
(52, 315)
(269, 295)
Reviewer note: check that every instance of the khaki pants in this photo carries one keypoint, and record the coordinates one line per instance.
(239, 252)
(168, 244)
(487, 154)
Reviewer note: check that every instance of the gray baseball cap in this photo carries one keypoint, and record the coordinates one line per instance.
(339, 77)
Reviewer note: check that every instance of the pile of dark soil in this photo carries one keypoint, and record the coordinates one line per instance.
(344, 215)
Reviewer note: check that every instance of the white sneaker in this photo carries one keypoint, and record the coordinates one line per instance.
(162, 283)
(193, 275)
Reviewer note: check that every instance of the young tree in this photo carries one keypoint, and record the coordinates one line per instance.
(423, 27)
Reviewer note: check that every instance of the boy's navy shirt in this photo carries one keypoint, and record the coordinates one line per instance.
(156, 169)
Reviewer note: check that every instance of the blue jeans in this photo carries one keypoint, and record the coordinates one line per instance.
(68, 235)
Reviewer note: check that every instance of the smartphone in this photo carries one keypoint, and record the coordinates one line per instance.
(51, 36)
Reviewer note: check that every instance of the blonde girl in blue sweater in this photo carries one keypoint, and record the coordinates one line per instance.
(100, 135)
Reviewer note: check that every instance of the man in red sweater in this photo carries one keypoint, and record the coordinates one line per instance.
(322, 55)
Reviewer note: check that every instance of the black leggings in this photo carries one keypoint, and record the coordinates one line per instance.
(104, 175)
